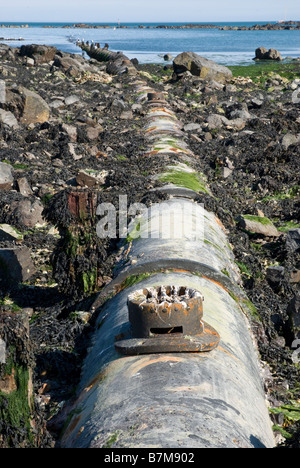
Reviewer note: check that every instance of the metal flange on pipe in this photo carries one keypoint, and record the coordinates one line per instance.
(173, 363)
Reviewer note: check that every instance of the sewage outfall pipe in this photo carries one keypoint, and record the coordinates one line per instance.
(212, 399)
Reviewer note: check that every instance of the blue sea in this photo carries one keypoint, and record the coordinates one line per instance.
(149, 45)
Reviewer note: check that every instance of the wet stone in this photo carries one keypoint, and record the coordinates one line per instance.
(6, 176)
(16, 264)
(293, 239)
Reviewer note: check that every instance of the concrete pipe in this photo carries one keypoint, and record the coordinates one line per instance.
(153, 378)
(174, 399)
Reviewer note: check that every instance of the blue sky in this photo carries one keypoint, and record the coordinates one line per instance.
(148, 10)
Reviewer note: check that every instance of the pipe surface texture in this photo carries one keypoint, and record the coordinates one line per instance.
(209, 399)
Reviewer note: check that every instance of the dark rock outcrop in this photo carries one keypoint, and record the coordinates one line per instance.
(201, 67)
(263, 54)
(40, 53)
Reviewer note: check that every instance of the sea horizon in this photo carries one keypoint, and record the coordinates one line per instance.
(251, 22)
(149, 44)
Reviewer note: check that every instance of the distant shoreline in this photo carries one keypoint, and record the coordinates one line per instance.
(271, 26)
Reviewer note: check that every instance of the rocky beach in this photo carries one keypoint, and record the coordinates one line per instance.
(71, 136)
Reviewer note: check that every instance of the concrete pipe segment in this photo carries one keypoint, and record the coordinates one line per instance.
(173, 363)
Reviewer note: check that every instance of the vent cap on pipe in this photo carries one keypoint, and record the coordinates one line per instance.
(167, 319)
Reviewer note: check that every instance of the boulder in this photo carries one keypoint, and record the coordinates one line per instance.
(35, 109)
(258, 225)
(200, 66)
(16, 263)
(87, 178)
(27, 106)
(39, 53)
(6, 176)
(8, 53)
(27, 212)
(218, 121)
(263, 54)
(71, 66)
(293, 239)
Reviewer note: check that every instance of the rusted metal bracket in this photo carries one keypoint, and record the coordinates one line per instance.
(167, 319)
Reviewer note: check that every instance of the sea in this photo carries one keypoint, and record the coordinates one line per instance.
(149, 44)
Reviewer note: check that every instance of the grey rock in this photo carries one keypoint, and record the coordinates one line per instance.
(28, 212)
(236, 124)
(240, 114)
(6, 176)
(126, 115)
(73, 153)
(215, 85)
(263, 54)
(216, 121)
(192, 127)
(30, 62)
(71, 100)
(8, 119)
(57, 104)
(35, 109)
(289, 139)
(293, 239)
(16, 263)
(137, 109)
(71, 131)
(27, 106)
(39, 53)
(275, 277)
(118, 104)
(200, 66)
(72, 67)
(258, 225)
(93, 133)
(256, 103)
(230, 88)
(229, 163)
(9, 233)
(226, 172)
(91, 178)
(24, 187)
